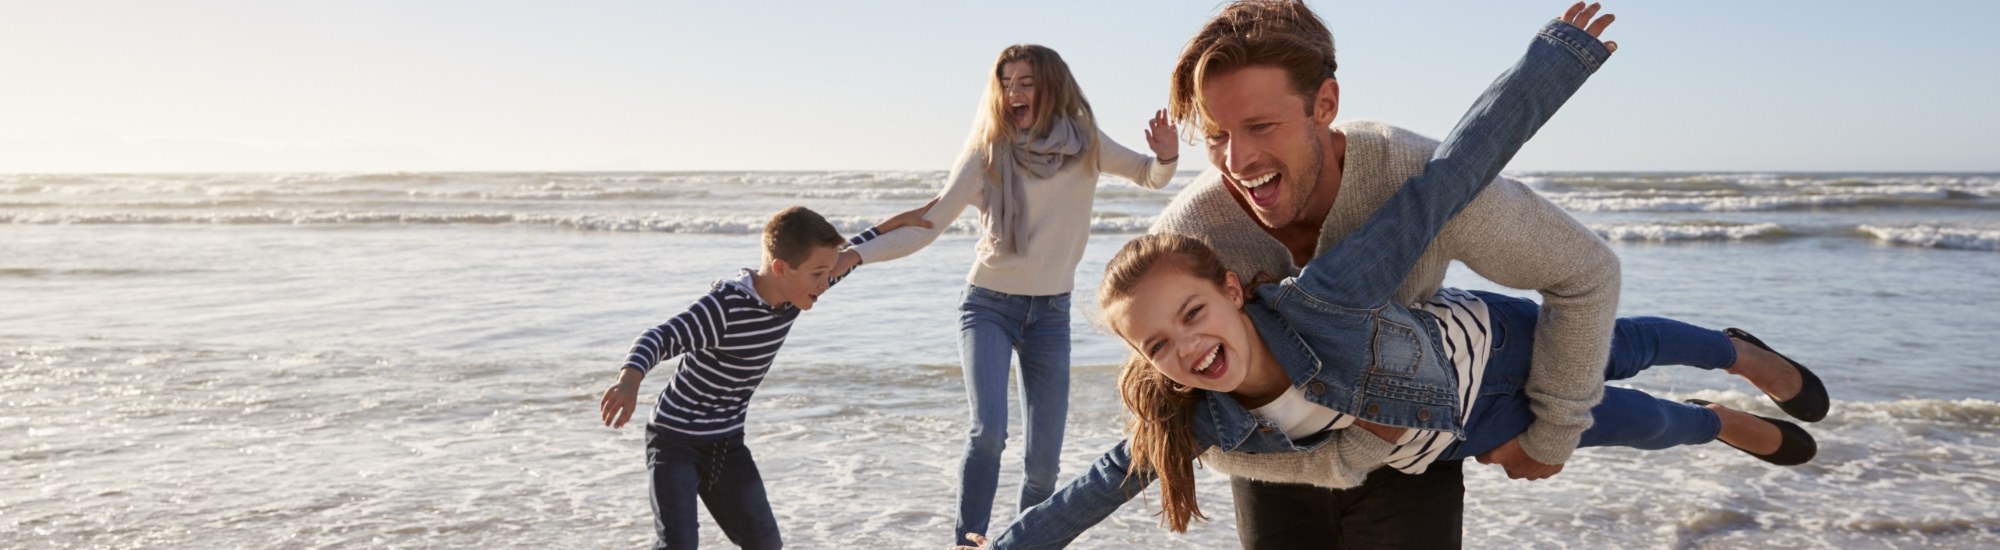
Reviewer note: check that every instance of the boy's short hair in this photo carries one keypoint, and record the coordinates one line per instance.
(793, 233)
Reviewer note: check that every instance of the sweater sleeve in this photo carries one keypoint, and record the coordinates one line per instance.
(1516, 238)
(700, 327)
(1141, 168)
(965, 187)
(1341, 463)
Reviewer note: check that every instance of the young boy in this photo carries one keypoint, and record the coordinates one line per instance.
(726, 340)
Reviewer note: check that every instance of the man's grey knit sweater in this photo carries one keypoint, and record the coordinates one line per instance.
(1508, 234)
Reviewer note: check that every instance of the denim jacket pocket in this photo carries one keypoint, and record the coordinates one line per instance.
(1394, 349)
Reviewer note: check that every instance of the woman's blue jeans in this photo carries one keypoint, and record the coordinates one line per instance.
(1626, 417)
(993, 327)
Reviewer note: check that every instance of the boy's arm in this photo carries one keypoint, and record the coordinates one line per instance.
(1084, 502)
(1364, 270)
(850, 259)
(697, 328)
(700, 327)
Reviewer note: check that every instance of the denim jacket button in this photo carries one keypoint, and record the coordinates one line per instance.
(1374, 409)
(1423, 415)
(1316, 388)
(1263, 429)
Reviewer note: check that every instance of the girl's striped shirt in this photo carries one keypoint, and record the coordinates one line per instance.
(1467, 337)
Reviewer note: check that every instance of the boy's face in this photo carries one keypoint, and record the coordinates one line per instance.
(802, 284)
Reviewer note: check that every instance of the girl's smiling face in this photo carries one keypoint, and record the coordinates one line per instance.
(1190, 329)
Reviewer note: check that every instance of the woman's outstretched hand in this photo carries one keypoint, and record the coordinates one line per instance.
(1163, 137)
(1580, 16)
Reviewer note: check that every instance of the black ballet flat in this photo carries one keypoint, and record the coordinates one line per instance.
(1795, 446)
(1811, 403)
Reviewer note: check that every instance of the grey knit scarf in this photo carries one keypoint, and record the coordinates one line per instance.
(1007, 195)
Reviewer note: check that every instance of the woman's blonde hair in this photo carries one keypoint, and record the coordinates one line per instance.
(1056, 95)
(1161, 424)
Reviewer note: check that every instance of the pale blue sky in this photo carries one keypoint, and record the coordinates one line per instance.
(479, 85)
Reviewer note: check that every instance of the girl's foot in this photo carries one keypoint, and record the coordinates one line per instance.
(1769, 439)
(1790, 384)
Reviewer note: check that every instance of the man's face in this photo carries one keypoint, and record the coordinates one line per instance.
(1265, 140)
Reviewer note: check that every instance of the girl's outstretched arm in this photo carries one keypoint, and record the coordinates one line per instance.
(1364, 270)
(1085, 501)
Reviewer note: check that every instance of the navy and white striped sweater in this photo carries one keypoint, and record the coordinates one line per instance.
(726, 341)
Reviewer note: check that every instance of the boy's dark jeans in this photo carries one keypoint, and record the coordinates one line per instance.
(721, 472)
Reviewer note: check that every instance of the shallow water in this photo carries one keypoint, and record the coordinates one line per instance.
(341, 362)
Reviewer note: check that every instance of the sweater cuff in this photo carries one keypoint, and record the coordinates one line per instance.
(1551, 443)
(1163, 172)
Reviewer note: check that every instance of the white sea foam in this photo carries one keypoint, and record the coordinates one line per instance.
(1928, 236)
(1695, 231)
(1703, 203)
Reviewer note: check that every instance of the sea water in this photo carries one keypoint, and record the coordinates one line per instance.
(415, 360)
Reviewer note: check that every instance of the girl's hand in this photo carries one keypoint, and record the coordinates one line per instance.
(1580, 15)
(1163, 137)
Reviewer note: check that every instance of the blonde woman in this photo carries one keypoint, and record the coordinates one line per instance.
(1031, 167)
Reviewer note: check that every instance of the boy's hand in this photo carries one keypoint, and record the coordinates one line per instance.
(911, 218)
(846, 262)
(621, 399)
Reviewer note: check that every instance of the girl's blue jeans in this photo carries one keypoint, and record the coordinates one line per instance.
(1626, 417)
(993, 328)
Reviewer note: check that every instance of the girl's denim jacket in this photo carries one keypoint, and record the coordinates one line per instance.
(1336, 328)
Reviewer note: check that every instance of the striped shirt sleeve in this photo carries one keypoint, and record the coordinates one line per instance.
(862, 237)
(698, 328)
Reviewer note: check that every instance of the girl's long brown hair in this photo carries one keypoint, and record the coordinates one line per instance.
(1161, 424)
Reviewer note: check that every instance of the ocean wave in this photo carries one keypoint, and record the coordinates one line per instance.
(42, 273)
(1980, 415)
(651, 223)
(1976, 184)
(1101, 222)
(1713, 202)
(1953, 238)
(1692, 231)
